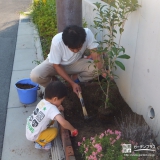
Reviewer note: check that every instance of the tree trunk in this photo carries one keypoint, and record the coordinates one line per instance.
(69, 12)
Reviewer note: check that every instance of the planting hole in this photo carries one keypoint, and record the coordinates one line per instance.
(151, 113)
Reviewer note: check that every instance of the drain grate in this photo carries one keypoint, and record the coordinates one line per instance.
(25, 20)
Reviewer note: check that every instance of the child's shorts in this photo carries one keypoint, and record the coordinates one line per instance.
(47, 136)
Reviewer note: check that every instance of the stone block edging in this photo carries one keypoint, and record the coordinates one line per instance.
(67, 145)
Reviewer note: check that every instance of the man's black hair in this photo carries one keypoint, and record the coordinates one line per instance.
(55, 89)
(74, 36)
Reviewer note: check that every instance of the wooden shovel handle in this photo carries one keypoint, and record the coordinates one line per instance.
(81, 99)
(83, 106)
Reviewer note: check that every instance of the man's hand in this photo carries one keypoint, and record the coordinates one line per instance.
(105, 73)
(64, 75)
(76, 88)
(96, 57)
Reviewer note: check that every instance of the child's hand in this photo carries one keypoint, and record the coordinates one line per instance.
(60, 108)
(74, 133)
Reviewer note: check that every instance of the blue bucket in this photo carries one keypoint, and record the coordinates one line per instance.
(27, 96)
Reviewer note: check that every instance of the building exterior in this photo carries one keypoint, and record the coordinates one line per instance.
(139, 84)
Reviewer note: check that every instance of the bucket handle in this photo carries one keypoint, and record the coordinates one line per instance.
(36, 88)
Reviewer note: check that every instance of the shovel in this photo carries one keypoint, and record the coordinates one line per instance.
(83, 106)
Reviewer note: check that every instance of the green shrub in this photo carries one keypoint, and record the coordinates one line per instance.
(44, 16)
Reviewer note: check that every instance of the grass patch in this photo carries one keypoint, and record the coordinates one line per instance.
(44, 17)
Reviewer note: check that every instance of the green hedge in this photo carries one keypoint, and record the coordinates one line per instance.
(44, 17)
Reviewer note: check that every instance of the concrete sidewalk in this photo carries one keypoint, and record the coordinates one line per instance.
(28, 49)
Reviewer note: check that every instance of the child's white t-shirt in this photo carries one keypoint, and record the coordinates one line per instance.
(61, 54)
(40, 119)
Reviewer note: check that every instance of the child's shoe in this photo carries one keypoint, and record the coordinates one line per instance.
(47, 147)
(38, 146)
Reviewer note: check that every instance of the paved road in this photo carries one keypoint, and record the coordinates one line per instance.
(9, 16)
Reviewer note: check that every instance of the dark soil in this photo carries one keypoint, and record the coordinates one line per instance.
(93, 100)
(24, 86)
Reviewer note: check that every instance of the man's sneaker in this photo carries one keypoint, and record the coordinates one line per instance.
(77, 81)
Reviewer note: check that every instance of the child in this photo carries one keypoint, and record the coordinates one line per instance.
(48, 110)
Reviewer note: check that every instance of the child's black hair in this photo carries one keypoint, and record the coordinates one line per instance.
(55, 89)
(74, 36)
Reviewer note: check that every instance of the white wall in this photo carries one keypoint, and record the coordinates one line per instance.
(139, 84)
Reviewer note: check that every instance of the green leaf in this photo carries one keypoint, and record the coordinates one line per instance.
(98, 5)
(114, 31)
(110, 53)
(120, 24)
(121, 30)
(102, 7)
(121, 50)
(120, 64)
(114, 49)
(98, 18)
(108, 27)
(124, 56)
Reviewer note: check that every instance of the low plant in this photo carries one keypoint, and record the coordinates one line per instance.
(84, 23)
(110, 19)
(43, 13)
(37, 62)
(133, 128)
(106, 146)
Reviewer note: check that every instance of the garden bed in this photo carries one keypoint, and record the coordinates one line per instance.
(93, 100)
